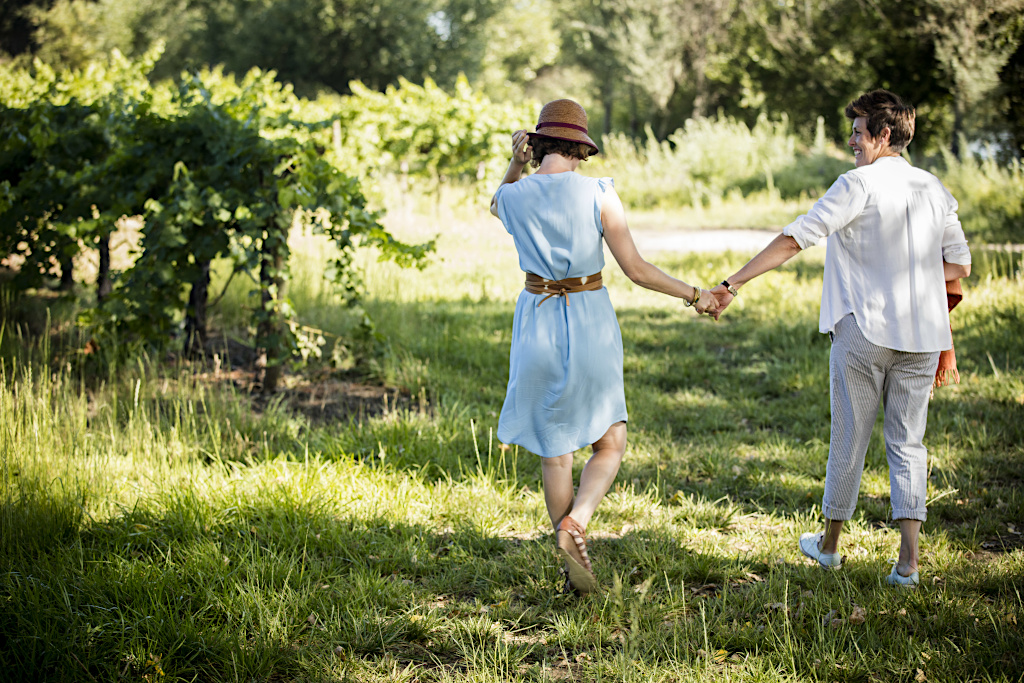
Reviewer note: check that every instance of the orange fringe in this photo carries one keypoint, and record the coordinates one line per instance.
(947, 371)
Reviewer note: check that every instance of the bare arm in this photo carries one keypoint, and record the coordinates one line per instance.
(781, 249)
(521, 153)
(620, 242)
(955, 271)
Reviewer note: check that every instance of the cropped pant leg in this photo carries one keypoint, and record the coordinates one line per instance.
(856, 379)
(907, 389)
(861, 374)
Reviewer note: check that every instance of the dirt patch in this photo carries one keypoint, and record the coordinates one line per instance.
(321, 401)
(335, 400)
(334, 397)
(1003, 543)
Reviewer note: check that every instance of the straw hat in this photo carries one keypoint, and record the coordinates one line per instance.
(564, 120)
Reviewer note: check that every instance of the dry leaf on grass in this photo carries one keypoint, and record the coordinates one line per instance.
(858, 616)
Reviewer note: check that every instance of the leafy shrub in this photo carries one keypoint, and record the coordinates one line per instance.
(219, 169)
(811, 175)
(991, 196)
(708, 160)
(425, 134)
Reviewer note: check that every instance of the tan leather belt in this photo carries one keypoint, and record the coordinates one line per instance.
(535, 284)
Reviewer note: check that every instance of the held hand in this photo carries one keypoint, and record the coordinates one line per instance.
(708, 303)
(724, 298)
(522, 152)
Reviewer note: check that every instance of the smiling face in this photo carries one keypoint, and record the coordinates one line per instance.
(867, 149)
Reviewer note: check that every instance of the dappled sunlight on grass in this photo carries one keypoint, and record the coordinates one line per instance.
(150, 519)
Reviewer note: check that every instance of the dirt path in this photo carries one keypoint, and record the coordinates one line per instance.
(650, 241)
(715, 240)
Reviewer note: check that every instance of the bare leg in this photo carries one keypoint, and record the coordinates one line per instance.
(910, 529)
(558, 491)
(830, 540)
(599, 473)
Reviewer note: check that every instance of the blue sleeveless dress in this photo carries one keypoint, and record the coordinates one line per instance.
(565, 369)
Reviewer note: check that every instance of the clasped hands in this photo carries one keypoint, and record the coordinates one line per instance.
(713, 301)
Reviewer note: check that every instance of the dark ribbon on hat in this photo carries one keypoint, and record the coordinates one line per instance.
(561, 125)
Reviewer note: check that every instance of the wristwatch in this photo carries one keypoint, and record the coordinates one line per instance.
(732, 290)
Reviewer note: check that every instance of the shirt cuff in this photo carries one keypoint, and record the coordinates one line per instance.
(805, 238)
(959, 254)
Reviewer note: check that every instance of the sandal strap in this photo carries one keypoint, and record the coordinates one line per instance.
(579, 537)
(572, 526)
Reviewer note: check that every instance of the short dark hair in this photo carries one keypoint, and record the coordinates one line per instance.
(884, 109)
(542, 146)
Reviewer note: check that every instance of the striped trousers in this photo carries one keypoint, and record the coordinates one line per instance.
(861, 374)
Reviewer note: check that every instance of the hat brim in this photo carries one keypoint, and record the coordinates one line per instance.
(569, 135)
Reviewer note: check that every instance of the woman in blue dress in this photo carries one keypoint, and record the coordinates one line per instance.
(565, 388)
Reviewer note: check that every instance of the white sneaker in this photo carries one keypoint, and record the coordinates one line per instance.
(810, 546)
(897, 579)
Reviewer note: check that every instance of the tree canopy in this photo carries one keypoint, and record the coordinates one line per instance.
(633, 63)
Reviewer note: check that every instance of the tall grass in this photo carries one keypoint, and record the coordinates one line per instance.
(160, 525)
(991, 196)
(718, 172)
(766, 170)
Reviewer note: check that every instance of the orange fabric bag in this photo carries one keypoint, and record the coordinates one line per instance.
(947, 371)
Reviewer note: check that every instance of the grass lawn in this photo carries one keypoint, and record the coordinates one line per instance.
(158, 524)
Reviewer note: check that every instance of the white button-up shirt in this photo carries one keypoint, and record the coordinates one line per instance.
(889, 228)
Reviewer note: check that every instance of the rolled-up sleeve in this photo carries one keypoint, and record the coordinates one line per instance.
(954, 242)
(843, 202)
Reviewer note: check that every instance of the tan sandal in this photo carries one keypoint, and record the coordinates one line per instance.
(571, 542)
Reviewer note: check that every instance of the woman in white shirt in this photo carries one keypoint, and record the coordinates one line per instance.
(893, 240)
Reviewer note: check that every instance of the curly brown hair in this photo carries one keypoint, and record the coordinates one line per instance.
(542, 146)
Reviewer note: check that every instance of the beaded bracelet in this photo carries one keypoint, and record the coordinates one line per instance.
(696, 296)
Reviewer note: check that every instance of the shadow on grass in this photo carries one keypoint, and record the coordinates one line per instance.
(704, 398)
(267, 589)
(285, 592)
(733, 416)
(739, 410)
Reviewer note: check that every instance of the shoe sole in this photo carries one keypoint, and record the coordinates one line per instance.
(581, 578)
(909, 583)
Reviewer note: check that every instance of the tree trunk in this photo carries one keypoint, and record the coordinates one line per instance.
(103, 284)
(700, 88)
(195, 314)
(665, 115)
(633, 116)
(607, 99)
(270, 330)
(67, 272)
(958, 128)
